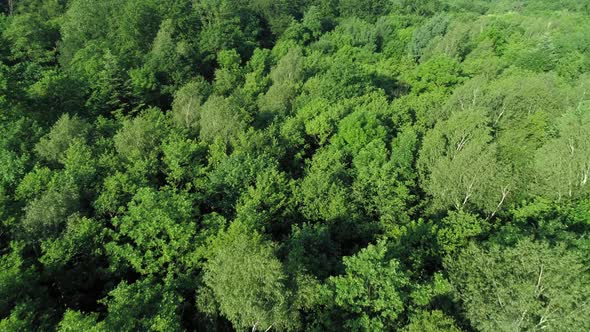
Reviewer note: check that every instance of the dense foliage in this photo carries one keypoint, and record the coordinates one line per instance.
(306, 165)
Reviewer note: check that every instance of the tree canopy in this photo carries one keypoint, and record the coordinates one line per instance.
(294, 165)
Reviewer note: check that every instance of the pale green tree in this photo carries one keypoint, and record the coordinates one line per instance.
(458, 164)
(563, 164)
(248, 281)
(532, 286)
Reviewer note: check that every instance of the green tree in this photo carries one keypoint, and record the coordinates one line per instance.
(73, 321)
(67, 258)
(186, 108)
(441, 72)
(324, 192)
(229, 74)
(156, 235)
(431, 321)
(101, 75)
(16, 277)
(143, 305)
(30, 39)
(221, 118)
(459, 166)
(85, 21)
(45, 216)
(53, 145)
(531, 286)
(138, 141)
(370, 295)
(286, 79)
(232, 176)
(138, 22)
(268, 203)
(183, 159)
(423, 35)
(457, 229)
(20, 319)
(563, 163)
(226, 25)
(367, 9)
(248, 281)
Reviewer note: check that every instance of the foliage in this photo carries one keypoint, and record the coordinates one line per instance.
(370, 294)
(529, 286)
(305, 165)
(247, 280)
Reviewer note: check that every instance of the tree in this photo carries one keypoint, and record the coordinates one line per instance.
(68, 258)
(184, 159)
(20, 319)
(440, 72)
(563, 163)
(370, 295)
(186, 108)
(459, 166)
(312, 248)
(30, 38)
(229, 74)
(531, 286)
(286, 79)
(138, 141)
(143, 305)
(323, 192)
(221, 118)
(79, 166)
(382, 185)
(83, 22)
(434, 27)
(73, 321)
(456, 230)
(81, 239)
(233, 175)
(359, 129)
(268, 203)
(226, 25)
(16, 277)
(279, 14)
(55, 91)
(45, 217)
(138, 22)
(248, 281)
(431, 321)
(102, 76)
(318, 119)
(156, 235)
(18, 139)
(367, 9)
(11, 6)
(54, 144)
(173, 55)
(256, 79)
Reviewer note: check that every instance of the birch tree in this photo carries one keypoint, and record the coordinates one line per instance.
(458, 164)
(247, 282)
(563, 164)
(529, 287)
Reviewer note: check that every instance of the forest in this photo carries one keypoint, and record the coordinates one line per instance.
(295, 165)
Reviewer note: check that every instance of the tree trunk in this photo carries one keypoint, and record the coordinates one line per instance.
(11, 6)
